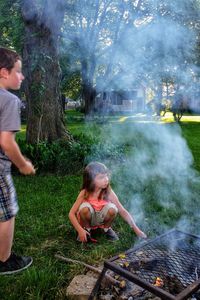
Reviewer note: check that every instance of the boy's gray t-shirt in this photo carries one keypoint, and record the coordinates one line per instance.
(10, 108)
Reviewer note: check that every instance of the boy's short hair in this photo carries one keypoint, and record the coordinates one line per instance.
(8, 58)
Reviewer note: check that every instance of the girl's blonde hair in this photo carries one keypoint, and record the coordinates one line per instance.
(89, 174)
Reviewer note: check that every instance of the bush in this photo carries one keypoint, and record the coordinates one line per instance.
(62, 157)
(58, 157)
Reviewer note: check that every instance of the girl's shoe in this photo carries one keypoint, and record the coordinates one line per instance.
(111, 235)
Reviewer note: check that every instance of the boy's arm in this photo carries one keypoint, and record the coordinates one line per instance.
(12, 150)
(125, 215)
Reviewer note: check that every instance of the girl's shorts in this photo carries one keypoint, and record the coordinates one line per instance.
(8, 198)
(97, 217)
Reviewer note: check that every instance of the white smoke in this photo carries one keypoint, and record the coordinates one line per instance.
(120, 52)
(155, 180)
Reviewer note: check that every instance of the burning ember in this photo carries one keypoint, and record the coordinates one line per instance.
(168, 271)
(159, 282)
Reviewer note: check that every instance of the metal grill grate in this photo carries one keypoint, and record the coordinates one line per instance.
(174, 257)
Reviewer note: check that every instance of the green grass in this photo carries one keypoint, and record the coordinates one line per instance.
(191, 132)
(43, 228)
(190, 125)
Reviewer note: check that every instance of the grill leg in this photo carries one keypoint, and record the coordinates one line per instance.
(97, 285)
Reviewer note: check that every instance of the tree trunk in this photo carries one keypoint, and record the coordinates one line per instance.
(45, 120)
(89, 94)
(88, 90)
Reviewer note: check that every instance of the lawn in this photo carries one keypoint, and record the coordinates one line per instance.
(159, 198)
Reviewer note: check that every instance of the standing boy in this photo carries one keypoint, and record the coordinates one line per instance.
(11, 77)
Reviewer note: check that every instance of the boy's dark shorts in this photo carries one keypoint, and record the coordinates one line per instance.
(8, 198)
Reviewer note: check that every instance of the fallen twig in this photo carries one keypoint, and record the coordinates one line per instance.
(94, 269)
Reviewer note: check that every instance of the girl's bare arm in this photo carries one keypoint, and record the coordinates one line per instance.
(73, 217)
(74, 210)
(125, 215)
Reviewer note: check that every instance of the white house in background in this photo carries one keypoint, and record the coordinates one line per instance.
(71, 104)
(125, 101)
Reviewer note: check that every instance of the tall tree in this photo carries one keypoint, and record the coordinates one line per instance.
(118, 43)
(43, 21)
(11, 25)
(94, 28)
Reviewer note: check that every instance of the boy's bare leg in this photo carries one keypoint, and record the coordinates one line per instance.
(6, 238)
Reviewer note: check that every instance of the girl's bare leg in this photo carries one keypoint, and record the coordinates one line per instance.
(110, 217)
(85, 217)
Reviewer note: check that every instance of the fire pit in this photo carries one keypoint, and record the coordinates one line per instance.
(167, 266)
